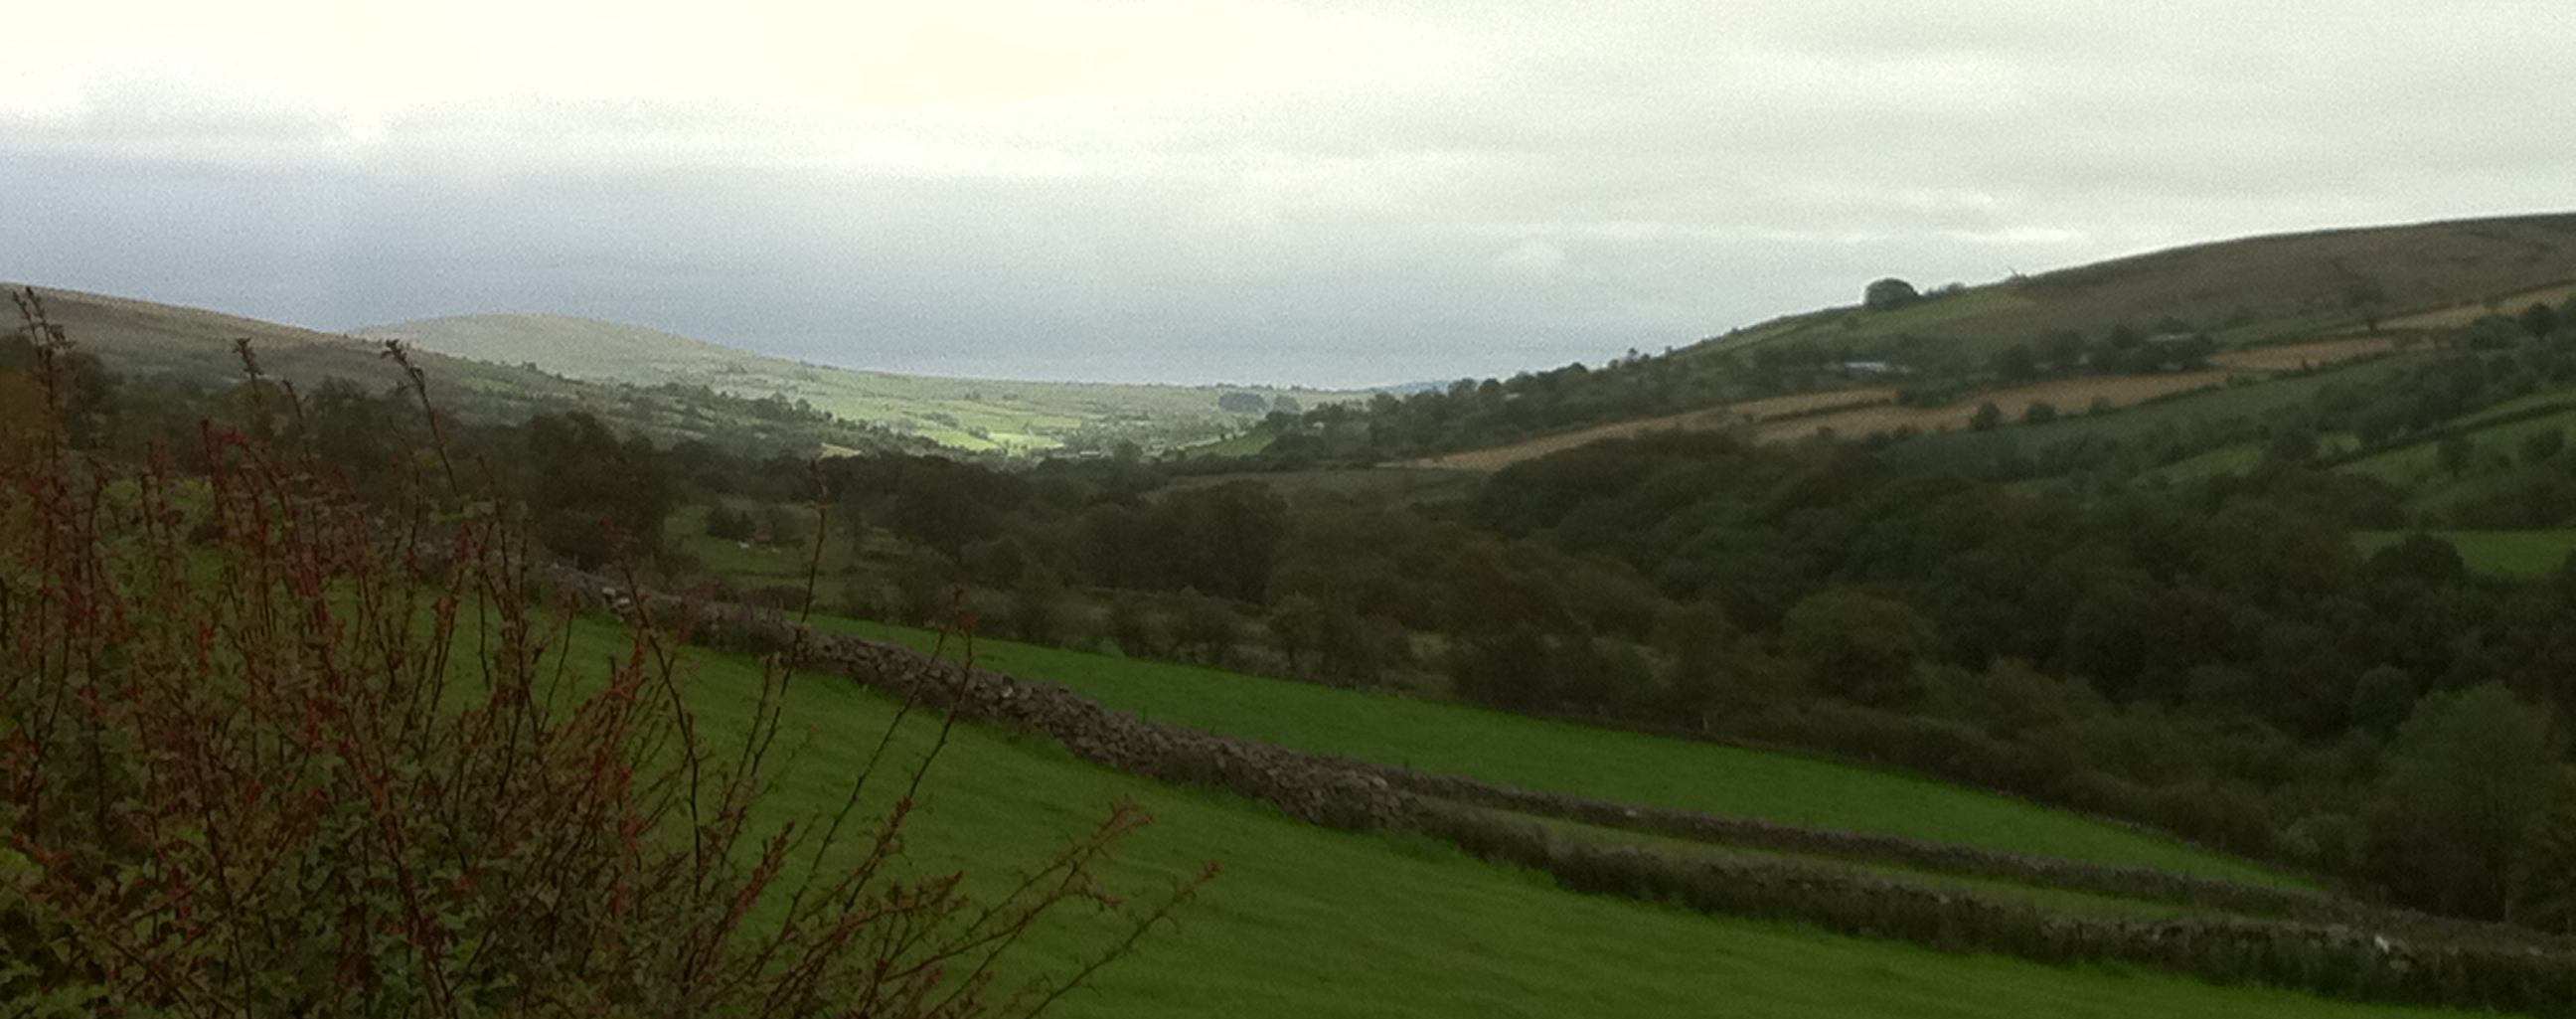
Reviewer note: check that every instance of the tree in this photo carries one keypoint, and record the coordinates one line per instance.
(1715, 669)
(2456, 453)
(1859, 645)
(2017, 363)
(594, 497)
(2468, 773)
(1988, 415)
(1297, 626)
(2544, 865)
(2539, 320)
(1208, 626)
(2293, 444)
(730, 524)
(1888, 295)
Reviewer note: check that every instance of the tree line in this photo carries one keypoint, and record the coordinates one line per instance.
(2215, 659)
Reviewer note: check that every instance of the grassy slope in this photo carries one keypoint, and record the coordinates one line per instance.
(2500, 553)
(2244, 402)
(2418, 467)
(2254, 292)
(969, 413)
(1535, 753)
(192, 347)
(1307, 922)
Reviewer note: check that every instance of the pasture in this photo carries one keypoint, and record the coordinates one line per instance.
(1769, 408)
(2498, 553)
(2069, 396)
(1304, 921)
(1534, 753)
(2303, 356)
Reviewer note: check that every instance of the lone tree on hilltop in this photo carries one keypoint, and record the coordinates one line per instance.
(1889, 294)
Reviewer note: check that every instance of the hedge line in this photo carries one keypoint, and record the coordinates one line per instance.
(2338, 960)
(2475, 966)
(2135, 882)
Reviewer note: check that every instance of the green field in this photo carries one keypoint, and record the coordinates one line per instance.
(2500, 553)
(2418, 467)
(1517, 750)
(1305, 922)
(2249, 291)
(2237, 407)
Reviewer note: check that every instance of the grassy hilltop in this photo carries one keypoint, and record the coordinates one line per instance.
(2165, 327)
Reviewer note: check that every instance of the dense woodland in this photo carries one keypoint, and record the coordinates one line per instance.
(2213, 657)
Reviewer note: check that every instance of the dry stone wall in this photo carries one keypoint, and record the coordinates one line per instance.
(2320, 945)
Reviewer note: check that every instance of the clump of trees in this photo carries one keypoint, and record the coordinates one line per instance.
(1888, 294)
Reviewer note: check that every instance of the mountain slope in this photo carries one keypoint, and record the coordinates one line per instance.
(2090, 337)
(580, 348)
(193, 348)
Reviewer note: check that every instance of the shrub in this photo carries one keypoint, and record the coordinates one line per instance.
(336, 763)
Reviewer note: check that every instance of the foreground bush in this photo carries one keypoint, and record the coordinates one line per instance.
(265, 753)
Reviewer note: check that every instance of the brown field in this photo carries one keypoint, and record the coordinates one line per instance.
(2071, 396)
(1770, 407)
(1494, 458)
(2295, 356)
(2511, 304)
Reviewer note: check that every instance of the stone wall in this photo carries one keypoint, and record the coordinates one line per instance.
(2316, 943)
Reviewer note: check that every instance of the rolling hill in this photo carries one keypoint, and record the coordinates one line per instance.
(2078, 340)
(192, 349)
(507, 367)
(981, 414)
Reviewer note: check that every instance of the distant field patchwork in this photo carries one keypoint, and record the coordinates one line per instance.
(2070, 396)
(2510, 304)
(2296, 356)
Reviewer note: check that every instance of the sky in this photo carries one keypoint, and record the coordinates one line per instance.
(1322, 193)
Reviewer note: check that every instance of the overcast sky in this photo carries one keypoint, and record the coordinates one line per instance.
(1331, 193)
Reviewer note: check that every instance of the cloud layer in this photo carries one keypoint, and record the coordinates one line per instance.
(1342, 194)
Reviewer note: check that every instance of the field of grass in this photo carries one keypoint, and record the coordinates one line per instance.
(2052, 898)
(2563, 397)
(2503, 304)
(2250, 291)
(744, 562)
(2180, 415)
(2236, 459)
(2418, 467)
(1831, 402)
(2303, 356)
(2068, 396)
(1533, 753)
(1306, 922)
(2498, 553)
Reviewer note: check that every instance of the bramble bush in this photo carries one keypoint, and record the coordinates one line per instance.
(265, 750)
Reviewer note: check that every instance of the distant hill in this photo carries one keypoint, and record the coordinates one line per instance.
(509, 366)
(581, 348)
(1014, 416)
(193, 348)
(2244, 292)
(2244, 311)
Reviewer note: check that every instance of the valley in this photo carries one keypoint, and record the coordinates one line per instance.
(2181, 634)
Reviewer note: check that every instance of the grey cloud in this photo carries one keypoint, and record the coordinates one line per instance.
(1564, 187)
